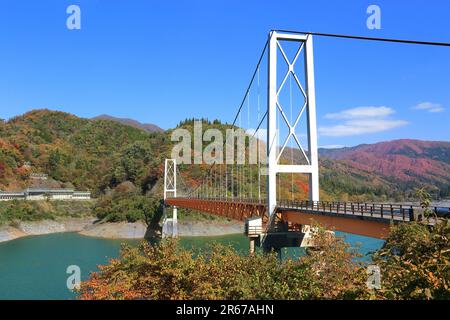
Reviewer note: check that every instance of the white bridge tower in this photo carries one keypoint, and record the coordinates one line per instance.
(308, 109)
(170, 225)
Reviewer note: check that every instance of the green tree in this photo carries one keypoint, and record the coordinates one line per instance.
(130, 207)
(425, 202)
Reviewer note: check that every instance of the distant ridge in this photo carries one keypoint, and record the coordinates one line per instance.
(149, 127)
(404, 160)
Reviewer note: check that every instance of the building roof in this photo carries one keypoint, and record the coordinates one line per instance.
(12, 193)
(42, 190)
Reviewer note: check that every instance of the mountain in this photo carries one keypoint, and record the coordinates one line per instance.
(88, 154)
(406, 163)
(101, 154)
(130, 122)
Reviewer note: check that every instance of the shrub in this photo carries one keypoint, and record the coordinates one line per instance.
(415, 262)
(167, 271)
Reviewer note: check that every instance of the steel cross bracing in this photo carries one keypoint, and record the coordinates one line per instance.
(280, 108)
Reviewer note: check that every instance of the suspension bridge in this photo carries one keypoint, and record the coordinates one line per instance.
(259, 183)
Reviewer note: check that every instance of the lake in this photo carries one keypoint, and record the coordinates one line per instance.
(35, 267)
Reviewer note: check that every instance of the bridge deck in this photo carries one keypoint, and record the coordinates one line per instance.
(236, 210)
(368, 211)
(368, 219)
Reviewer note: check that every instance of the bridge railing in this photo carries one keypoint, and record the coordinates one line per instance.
(376, 210)
(228, 199)
(384, 211)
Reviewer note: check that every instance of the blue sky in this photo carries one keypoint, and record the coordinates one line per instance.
(163, 61)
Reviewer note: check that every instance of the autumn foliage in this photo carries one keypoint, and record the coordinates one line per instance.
(414, 264)
(167, 271)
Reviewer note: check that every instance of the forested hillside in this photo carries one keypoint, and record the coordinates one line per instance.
(88, 154)
(401, 164)
(100, 155)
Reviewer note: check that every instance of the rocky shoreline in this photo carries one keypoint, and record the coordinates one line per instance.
(119, 230)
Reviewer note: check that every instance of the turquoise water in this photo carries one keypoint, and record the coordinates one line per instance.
(364, 245)
(35, 267)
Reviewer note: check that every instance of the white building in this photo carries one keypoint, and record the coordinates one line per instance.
(7, 196)
(44, 194)
(52, 194)
(81, 195)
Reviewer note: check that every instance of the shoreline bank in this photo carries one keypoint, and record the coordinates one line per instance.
(116, 230)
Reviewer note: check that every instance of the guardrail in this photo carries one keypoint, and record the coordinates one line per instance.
(383, 211)
(234, 199)
(376, 210)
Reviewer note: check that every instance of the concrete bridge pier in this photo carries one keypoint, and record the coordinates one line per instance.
(276, 237)
(253, 230)
(252, 246)
(275, 241)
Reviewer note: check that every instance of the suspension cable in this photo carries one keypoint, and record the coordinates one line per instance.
(226, 180)
(257, 145)
(251, 81)
(278, 134)
(240, 165)
(248, 127)
(292, 145)
(428, 43)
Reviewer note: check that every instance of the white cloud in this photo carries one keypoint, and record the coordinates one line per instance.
(361, 120)
(353, 128)
(429, 106)
(361, 113)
